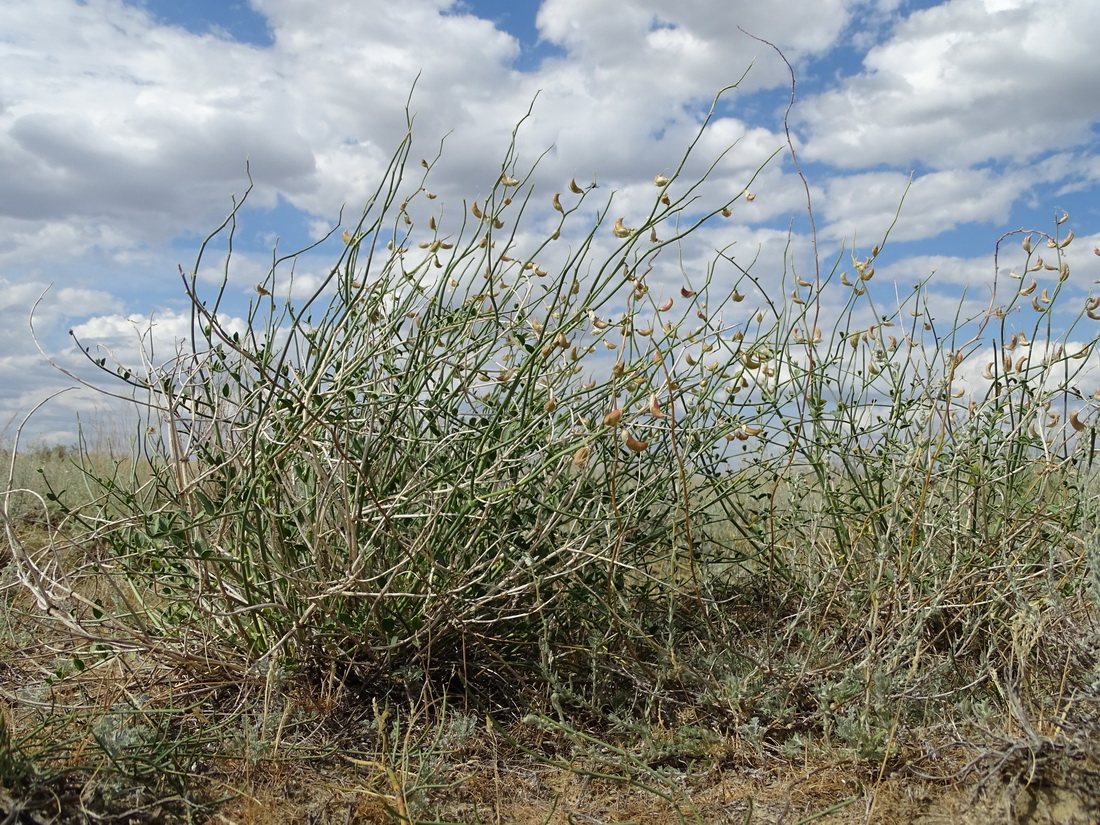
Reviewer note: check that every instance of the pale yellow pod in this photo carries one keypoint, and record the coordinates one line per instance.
(621, 231)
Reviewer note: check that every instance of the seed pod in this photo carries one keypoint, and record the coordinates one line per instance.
(655, 407)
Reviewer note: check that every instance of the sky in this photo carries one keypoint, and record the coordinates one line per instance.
(128, 128)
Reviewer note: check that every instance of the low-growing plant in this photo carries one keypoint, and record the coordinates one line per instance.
(599, 483)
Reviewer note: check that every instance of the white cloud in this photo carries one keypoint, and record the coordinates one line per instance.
(119, 136)
(965, 82)
(937, 202)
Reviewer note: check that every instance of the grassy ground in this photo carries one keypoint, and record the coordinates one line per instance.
(1004, 732)
(488, 529)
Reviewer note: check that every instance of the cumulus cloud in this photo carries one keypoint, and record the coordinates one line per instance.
(122, 138)
(964, 82)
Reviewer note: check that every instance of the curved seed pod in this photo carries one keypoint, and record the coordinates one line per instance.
(557, 202)
(621, 231)
(505, 180)
(661, 180)
(613, 418)
(581, 456)
(576, 190)
(655, 407)
(632, 443)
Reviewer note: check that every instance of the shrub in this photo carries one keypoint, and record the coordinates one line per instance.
(474, 463)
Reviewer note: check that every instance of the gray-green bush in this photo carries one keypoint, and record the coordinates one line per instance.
(527, 475)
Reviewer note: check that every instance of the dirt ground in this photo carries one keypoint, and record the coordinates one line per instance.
(835, 794)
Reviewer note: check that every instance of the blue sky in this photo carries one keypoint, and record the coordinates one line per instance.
(125, 128)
